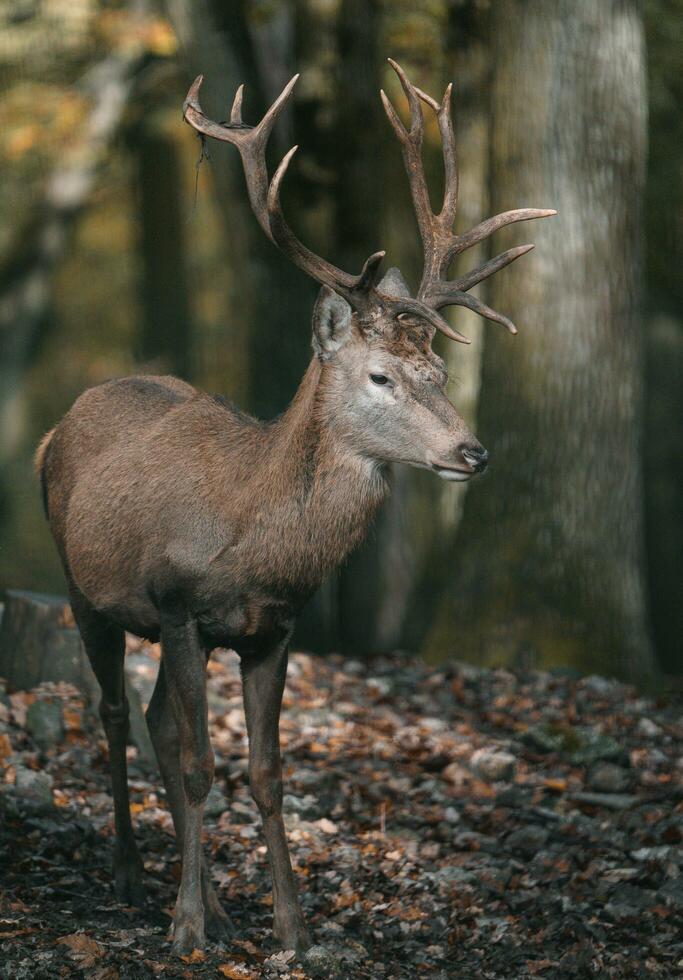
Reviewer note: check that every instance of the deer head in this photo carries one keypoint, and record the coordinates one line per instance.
(384, 385)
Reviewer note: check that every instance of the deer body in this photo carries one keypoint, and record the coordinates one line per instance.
(163, 494)
(178, 517)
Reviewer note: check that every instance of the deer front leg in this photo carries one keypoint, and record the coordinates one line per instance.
(263, 681)
(185, 672)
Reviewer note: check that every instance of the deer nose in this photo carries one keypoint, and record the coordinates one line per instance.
(475, 456)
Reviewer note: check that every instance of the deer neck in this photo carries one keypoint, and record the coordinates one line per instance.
(330, 492)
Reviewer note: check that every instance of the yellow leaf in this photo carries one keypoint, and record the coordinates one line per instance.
(556, 785)
(160, 39)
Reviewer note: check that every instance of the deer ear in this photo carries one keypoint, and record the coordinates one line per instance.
(331, 323)
(393, 284)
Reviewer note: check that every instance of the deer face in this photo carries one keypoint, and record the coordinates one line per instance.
(383, 383)
(384, 392)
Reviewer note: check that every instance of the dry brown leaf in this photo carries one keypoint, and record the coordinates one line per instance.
(537, 966)
(84, 950)
(154, 966)
(103, 972)
(73, 719)
(196, 956)
(235, 971)
(248, 947)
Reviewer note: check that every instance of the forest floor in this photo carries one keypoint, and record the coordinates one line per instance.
(448, 822)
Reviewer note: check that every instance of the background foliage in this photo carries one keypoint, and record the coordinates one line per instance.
(118, 254)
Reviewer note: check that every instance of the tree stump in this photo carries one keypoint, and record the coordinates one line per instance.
(39, 642)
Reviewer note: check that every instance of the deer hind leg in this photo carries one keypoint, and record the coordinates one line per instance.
(166, 741)
(263, 681)
(105, 645)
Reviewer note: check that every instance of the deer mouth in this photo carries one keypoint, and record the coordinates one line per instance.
(455, 473)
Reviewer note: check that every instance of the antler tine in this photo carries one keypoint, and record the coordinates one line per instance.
(489, 268)
(319, 268)
(444, 120)
(236, 111)
(264, 196)
(358, 290)
(440, 244)
(251, 141)
(411, 147)
(486, 228)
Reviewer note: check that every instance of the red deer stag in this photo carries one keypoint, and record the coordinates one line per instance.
(179, 518)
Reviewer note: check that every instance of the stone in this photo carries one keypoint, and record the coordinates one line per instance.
(527, 840)
(452, 875)
(216, 803)
(612, 801)
(138, 732)
(34, 786)
(601, 686)
(648, 728)
(672, 893)
(581, 745)
(322, 962)
(45, 723)
(493, 766)
(607, 777)
(451, 815)
(306, 806)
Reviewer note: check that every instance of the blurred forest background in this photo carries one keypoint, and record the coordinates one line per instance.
(119, 255)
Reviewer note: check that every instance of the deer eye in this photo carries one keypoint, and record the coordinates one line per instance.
(379, 379)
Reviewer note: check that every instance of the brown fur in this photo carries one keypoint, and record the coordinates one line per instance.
(153, 486)
(41, 450)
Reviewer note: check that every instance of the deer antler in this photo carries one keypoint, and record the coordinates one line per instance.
(264, 197)
(440, 244)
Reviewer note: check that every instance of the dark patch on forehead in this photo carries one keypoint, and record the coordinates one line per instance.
(411, 344)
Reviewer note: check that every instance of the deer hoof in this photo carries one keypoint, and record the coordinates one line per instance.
(293, 935)
(188, 935)
(128, 886)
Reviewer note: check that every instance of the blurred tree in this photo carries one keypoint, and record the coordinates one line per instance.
(386, 590)
(664, 380)
(270, 302)
(165, 340)
(26, 283)
(549, 565)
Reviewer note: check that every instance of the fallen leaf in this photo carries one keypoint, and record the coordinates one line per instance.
(196, 956)
(84, 950)
(235, 971)
(537, 966)
(282, 958)
(556, 785)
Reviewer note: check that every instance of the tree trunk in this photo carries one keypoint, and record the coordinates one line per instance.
(549, 565)
(166, 328)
